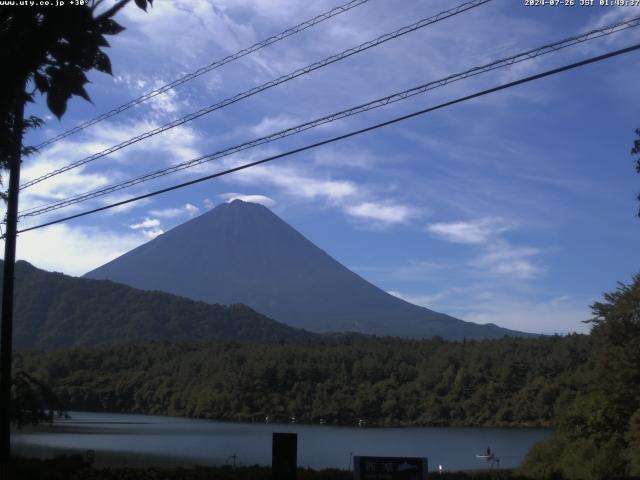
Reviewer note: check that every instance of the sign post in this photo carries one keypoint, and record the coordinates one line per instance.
(284, 459)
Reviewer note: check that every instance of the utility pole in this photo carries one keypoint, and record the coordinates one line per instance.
(6, 329)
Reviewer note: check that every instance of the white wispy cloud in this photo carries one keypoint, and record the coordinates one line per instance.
(384, 212)
(149, 227)
(613, 15)
(543, 316)
(423, 299)
(120, 197)
(58, 187)
(346, 195)
(77, 249)
(478, 303)
(474, 232)
(178, 143)
(347, 157)
(296, 182)
(495, 256)
(175, 145)
(166, 106)
(190, 28)
(504, 259)
(186, 209)
(152, 233)
(146, 223)
(413, 270)
(191, 209)
(252, 198)
(272, 124)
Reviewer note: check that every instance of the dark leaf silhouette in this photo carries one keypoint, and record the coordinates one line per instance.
(111, 27)
(102, 63)
(57, 102)
(142, 4)
(42, 82)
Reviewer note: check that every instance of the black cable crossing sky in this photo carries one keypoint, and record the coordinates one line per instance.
(504, 86)
(260, 88)
(380, 102)
(212, 66)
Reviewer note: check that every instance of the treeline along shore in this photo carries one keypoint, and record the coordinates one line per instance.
(379, 381)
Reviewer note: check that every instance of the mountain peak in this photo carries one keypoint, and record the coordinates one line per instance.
(242, 203)
(239, 205)
(241, 252)
(238, 202)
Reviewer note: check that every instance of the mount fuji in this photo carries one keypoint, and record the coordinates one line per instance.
(241, 252)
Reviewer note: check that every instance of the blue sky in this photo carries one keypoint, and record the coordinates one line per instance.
(516, 208)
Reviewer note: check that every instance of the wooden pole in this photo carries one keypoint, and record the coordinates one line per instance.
(6, 329)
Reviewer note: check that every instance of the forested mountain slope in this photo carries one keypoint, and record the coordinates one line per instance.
(53, 310)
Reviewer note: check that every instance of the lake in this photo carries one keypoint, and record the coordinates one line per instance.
(123, 439)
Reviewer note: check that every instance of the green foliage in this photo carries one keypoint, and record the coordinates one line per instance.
(636, 151)
(32, 402)
(507, 382)
(598, 437)
(634, 444)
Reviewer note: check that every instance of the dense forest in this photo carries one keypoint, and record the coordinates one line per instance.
(508, 382)
(598, 435)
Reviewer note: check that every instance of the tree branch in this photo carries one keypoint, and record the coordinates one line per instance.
(113, 10)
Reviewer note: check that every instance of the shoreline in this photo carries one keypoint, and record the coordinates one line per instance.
(282, 421)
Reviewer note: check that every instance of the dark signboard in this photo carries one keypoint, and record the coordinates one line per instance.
(389, 468)
(284, 460)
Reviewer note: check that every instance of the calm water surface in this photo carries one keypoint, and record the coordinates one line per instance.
(145, 439)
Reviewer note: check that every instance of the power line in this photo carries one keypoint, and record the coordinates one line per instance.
(212, 66)
(346, 135)
(520, 57)
(255, 90)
